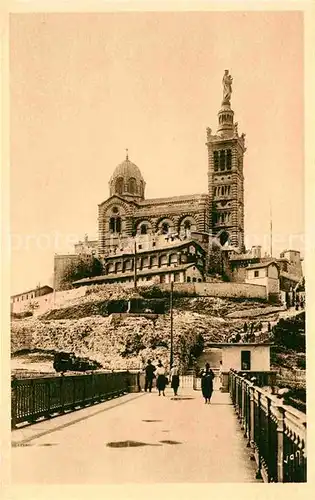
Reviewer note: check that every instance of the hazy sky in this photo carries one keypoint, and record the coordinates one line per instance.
(86, 86)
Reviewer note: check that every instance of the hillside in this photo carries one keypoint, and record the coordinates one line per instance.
(83, 327)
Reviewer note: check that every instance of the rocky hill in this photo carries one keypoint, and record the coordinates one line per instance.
(126, 341)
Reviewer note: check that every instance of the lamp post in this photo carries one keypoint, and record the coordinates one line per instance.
(171, 312)
(135, 266)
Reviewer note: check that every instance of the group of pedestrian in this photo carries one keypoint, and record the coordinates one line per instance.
(159, 373)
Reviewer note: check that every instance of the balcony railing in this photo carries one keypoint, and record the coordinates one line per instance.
(275, 432)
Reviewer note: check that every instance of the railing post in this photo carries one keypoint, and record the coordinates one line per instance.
(243, 405)
(280, 449)
(252, 417)
(48, 386)
(13, 402)
(31, 418)
(62, 393)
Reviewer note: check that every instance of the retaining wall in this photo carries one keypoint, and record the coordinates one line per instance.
(224, 290)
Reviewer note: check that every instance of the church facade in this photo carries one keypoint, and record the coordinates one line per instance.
(127, 212)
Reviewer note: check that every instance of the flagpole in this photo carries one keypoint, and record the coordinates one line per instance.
(270, 207)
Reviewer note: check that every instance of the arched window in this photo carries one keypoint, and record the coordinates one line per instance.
(143, 229)
(132, 185)
(165, 228)
(187, 225)
(115, 225)
(222, 160)
(112, 224)
(229, 159)
(216, 160)
(119, 186)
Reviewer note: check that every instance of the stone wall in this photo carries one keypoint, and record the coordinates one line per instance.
(224, 290)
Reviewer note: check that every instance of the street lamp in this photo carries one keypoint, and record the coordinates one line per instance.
(135, 266)
(171, 312)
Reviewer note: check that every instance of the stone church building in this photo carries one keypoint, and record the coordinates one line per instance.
(128, 222)
(180, 238)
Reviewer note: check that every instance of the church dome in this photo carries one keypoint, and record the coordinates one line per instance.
(127, 180)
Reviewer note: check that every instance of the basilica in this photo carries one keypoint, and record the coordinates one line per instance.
(170, 236)
(189, 238)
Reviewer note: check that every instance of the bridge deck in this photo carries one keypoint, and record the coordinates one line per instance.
(169, 440)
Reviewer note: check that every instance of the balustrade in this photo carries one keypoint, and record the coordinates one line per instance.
(43, 397)
(275, 431)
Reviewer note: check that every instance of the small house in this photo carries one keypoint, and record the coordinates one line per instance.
(267, 274)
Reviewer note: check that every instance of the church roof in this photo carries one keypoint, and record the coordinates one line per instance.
(183, 198)
(127, 169)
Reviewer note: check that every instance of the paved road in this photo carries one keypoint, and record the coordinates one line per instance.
(169, 440)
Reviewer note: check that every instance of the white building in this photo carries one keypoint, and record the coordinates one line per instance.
(267, 274)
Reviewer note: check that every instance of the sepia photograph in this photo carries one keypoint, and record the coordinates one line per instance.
(157, 278)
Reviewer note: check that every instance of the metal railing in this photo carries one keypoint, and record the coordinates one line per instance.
(34, 398)
(276, 432)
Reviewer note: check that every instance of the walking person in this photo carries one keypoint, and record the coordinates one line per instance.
(174, 374)
(207, 377)
(149, 376)
(161, 378)
(220, 374)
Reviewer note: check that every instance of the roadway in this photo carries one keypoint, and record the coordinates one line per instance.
(137, 438)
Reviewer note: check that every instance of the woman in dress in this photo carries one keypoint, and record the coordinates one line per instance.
(175, 378)
(160, 378)
(207, 377)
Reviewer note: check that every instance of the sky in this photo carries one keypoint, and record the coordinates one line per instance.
(84, 87)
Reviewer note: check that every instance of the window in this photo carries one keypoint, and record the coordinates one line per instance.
(222, 160)
(176, 276)
(216, 160)
(165, 228)
(199, 280)
(132, 186)
(153, 244)
(115, 225)
(115, 210)
(245, 360)
(188, 279)
(139, 247)
(163, 260)
(154, 261)
(162, 278)
(256, 274)
(119, 186)
(143, 229)
(194, 280)
(173, 258)
(229, 159)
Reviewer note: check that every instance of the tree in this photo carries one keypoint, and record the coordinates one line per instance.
(79, 269)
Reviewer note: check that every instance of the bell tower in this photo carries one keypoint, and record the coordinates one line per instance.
(225, 174)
